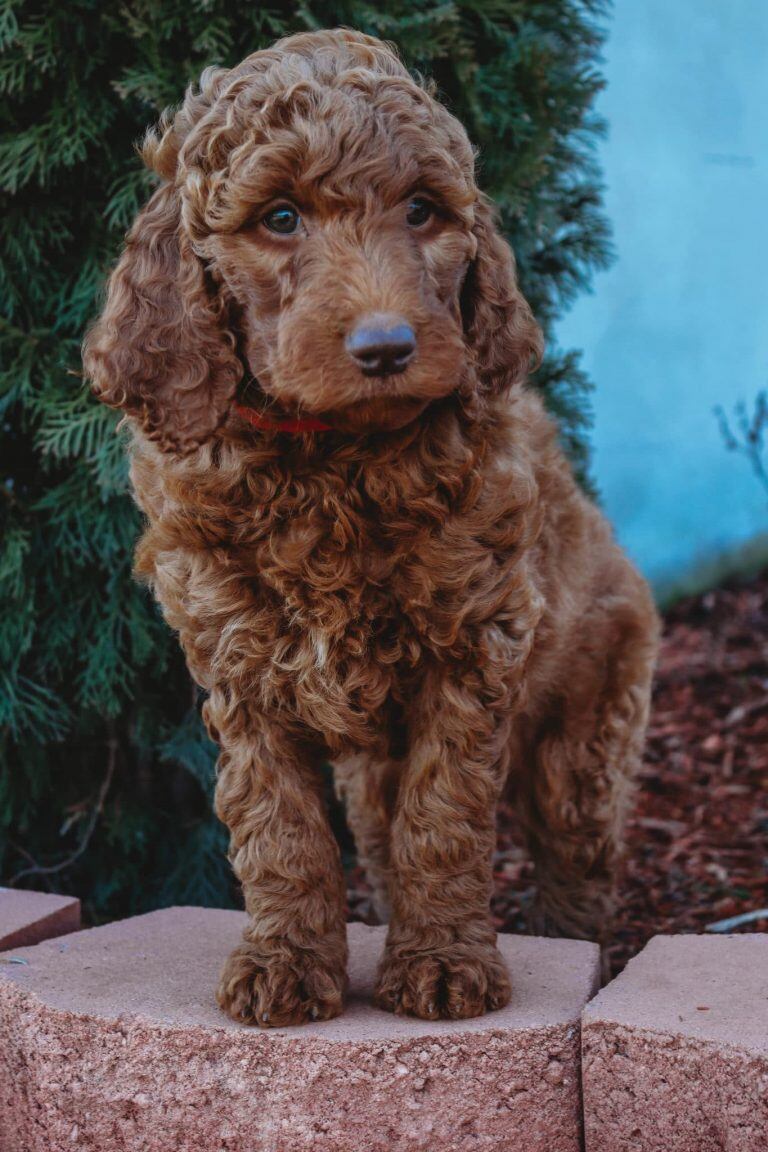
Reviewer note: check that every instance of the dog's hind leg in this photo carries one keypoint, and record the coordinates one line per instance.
(367, 787)
(578, 783)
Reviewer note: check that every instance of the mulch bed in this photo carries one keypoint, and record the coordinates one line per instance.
(697, 844)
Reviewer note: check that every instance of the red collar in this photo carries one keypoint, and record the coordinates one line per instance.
(267, 424)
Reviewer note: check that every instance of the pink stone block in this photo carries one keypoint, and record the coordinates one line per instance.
(29, 917)
(675, 1050)
(111, 1041)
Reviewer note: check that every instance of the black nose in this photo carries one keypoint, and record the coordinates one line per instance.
(381, 345)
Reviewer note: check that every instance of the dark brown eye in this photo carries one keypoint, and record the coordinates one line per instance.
(419, 211)
(283, 219)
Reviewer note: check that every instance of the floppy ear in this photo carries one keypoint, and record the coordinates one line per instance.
(498, 322)
(162, 349)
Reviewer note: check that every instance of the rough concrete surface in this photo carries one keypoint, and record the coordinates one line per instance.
(675, 1050)
(29, 917)
(111, 1040)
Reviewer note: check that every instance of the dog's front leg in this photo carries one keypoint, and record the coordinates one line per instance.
(441, 957)
(291, 965)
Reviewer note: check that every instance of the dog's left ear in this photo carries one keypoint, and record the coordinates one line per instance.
(498, 322)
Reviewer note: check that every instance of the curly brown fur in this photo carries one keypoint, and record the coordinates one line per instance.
(421, 594)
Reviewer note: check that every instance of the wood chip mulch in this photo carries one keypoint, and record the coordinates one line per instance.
(697, 843)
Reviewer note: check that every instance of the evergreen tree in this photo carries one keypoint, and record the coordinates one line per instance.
(105, 772)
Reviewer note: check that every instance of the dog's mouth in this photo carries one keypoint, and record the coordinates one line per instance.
(383, 413)
(379, 409)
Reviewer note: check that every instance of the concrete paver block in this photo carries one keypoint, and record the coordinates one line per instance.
(111, 1040)
(29, 917)
(675, 1050)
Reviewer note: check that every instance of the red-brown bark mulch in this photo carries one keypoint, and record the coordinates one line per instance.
(697, 843)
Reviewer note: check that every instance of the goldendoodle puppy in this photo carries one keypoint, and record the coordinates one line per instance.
(361, 525)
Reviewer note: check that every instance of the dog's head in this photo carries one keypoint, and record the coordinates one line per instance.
(318, 239)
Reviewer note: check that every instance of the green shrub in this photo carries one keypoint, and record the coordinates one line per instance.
(105, 773)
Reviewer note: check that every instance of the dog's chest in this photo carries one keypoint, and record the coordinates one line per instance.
(352, 608)
(329, 596)
(356, 600)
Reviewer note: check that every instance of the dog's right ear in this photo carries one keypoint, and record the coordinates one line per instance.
(162, 349)
(498, 321)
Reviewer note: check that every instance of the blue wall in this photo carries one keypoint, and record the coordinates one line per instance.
(680, 322)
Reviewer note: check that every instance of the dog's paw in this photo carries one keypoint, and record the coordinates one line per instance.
(452, 983)
(287, 986)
